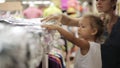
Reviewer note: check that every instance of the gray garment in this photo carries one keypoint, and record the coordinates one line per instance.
(19, 48)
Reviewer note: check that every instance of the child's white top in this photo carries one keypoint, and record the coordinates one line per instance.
(91, 60)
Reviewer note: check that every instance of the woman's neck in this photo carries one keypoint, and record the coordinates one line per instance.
(112, 20)
(112, 15)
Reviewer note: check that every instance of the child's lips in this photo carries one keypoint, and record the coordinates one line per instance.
(99, 7)
(79, 33)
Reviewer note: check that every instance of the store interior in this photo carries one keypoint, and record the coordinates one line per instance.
(79, 6)
(31, 12)
(20, 5)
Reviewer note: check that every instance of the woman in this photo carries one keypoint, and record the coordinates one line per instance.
(110, 50)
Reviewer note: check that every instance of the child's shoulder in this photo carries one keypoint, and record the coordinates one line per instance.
(93, 43)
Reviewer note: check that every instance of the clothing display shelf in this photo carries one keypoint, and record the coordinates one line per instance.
(11, 6)
(11, 9)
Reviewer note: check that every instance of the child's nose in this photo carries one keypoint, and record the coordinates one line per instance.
(79, 28)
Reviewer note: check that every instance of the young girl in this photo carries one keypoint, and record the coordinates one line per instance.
(90, 29)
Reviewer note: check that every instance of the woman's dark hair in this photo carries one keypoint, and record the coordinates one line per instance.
(114, 1)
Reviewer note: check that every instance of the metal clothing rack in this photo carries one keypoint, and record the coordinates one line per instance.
(45, 59)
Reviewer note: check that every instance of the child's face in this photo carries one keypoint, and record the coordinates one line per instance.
(85, 30)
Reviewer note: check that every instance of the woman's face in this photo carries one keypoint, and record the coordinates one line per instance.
(104, 5)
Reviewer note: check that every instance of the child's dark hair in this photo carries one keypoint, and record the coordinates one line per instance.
(96, 22)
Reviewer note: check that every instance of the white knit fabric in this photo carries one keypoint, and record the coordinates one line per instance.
(91, 60)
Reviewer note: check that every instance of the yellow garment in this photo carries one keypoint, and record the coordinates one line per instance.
(72, 12)
(57, 3)
(52, 9)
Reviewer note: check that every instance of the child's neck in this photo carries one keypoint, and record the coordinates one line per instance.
(91, 39)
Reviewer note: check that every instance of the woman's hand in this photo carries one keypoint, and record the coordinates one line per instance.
(56, 17)
(50, 27)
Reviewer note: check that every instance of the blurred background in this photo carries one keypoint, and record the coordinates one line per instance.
(74, 8)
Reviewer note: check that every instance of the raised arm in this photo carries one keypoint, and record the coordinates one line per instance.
(83, 44)
(64, 19)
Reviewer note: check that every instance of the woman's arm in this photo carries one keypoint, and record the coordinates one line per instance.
(64, 19)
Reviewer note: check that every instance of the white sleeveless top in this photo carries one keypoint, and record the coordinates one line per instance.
(91, 60)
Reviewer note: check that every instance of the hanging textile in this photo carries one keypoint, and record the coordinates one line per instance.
(64, 4)
(57, 3)
(32, 12)
(52, 9)
(19, 48)
(54, 61)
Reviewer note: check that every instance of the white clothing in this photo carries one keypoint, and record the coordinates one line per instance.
(91, 60)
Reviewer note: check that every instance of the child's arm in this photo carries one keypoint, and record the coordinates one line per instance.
(83, 44)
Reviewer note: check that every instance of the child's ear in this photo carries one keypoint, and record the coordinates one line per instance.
(94, 31)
